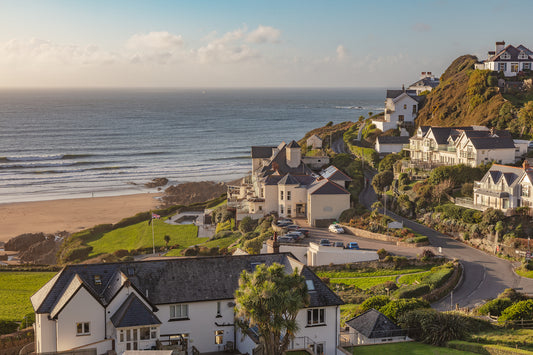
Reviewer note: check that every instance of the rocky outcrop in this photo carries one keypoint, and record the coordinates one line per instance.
(193, 192)
(157, 182)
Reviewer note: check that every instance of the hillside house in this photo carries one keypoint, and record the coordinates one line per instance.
(391, 144)
(427, 83)
(509, 60)
(469, 145)
(185, 301)
(282, 183)
(315, 142)
(504, 187)
(401, 109)
(373, 327)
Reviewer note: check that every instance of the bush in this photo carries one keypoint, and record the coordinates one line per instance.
(28, 320)
(433, 327)
(79, 253)
(494, 307)
(518, 311)
(375, 302)
(420, 239)
(438, 277)
(412, 291)
(7, 326)
(395, 309)
(513, 295)
(247, 224)
(121, 253)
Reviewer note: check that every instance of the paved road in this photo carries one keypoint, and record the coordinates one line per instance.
(485, 276)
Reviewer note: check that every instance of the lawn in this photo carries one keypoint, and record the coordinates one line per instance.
(523, 338)
(382, 272)
(15, 291)
(525, 273)
(410, 348)
(363, 282)
(140, 236)
(412, 278)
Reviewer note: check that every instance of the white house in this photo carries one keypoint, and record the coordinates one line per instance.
(133, 305)
(509, 60)
(373, 327)
(401, 109)
(427, 82)
(282, 183)
(470, 145)
(391, 144)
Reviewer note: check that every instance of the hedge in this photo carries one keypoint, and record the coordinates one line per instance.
(495, 307)
(439, 277)
(489, 349)
(412, 291)
(79, 253)
(420, 239)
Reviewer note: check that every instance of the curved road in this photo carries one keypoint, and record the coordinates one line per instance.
(484, 277)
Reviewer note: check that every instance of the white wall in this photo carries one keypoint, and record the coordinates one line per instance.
(327, 334)
(326, 206)
(388, 148)
(201, 324)
(81, 308)
(321, 255)
(45, 333)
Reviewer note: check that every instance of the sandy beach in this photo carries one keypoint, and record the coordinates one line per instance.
(70, 214)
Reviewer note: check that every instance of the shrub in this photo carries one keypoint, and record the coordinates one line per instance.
(513, 295)
(382, 253)
(518, 311)
(7, 326)
(438, 277)
(412, 291)
(395, 309)
(375, 302)
(494, 307)
(121, 253)
(28, 320)
(420, 239)
(79, 253)
(247, 224)
(433, 327)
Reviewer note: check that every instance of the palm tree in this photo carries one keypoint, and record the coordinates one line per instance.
(270, 299)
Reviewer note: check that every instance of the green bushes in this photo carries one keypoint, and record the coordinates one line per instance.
(439, 277)
(375, 302)
(518, 311)
(494, 307)
(79, 253)
(395, 309)
(419, 239)
(412, 291)
(369, 155)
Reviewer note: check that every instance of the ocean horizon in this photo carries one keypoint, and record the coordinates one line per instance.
(60, 143)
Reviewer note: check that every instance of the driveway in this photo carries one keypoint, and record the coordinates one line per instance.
(485, 276)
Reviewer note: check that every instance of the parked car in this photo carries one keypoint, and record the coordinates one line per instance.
(304, 231)
(282, 223)
(325, 242)
(285, 239)
(339, 244)
(296, 235)
(292, 227)
(335, 228)
(352, 245)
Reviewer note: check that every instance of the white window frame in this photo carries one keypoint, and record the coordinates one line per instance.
(85, 328)
(526, 66)
(515, 67)
(219, 337)
(183, 311)
(281, 195)
(316, 316)
(288, 195)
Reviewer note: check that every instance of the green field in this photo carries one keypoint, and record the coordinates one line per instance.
(140, 236)
(412, 278)
(410, 348)
(382, 272)
(522, 338)
(15, 291)
(363, 282)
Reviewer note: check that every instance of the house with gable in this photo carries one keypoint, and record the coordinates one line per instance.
(315, 142)
(509, 60)
(469, 145)
(427, 82)
(505, 187)
(401, 109)
(183, 304)
(282, 183)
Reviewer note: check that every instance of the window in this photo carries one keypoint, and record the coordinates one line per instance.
(502, 66)
(281, 195)
(179, 311)
(525, 190)
(514, 67)
(153, 332)
(288, 195)
(506, 56)
(219, 336)
(526, 66)
(315, 316)
(97, 280)
(404, 106)
(289, 211)
(400, 118)
(281, 209)
(83, 328)
(310, 285)
(145, 333)
(522, 55)
(218, 309)
(260, 208)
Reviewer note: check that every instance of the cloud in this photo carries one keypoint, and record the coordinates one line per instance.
(264, 34)
(155, 41)
(342, 53)
(228, 48)
(421, 27)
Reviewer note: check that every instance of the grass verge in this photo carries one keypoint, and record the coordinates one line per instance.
(410, 348)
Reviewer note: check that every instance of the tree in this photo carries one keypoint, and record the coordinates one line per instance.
(382, 180)
(270, 299)
(388, 162)
(247, 224)
(167, 239)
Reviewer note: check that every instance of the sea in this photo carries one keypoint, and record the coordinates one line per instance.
(58, 144)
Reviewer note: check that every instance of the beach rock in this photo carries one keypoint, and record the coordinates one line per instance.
(23, 241)
(156, 182)
(192, 192)
(42, 253)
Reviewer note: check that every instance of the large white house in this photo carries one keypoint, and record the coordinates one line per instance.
(427, 82)
(509, 60)
(470, 145)
(282, 183)
(138, 305)
(401, 109)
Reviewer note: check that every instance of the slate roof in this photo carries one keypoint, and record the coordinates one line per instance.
(513, 52)
(441, 134)
(511, 174)
(262, 152)
(293, 144)
(279, 163)
(393, 140)
(133, 312)
(492, 142)
(432, 82)
(326, 187)
(334, 173)
(374, 324)
(392, 94)
(196, 279)
(288, 180)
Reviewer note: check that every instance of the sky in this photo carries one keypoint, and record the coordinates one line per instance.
(254, 43)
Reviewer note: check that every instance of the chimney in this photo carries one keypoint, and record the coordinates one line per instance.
(500, 46)
(525, 165)
(403, 87)
(273, 244)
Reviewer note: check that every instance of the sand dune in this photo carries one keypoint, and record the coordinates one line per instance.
(69, 214)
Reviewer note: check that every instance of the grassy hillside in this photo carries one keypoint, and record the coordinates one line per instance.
(464, 97)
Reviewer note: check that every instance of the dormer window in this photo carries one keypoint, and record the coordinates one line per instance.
(522, 55)
(506, 56)
(97, 280)
(310, 285)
